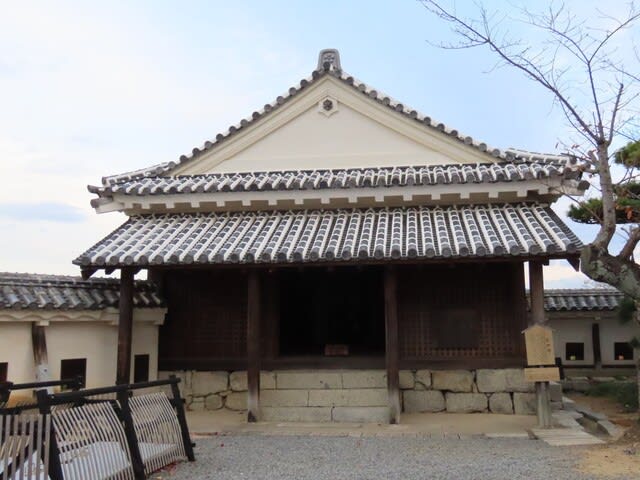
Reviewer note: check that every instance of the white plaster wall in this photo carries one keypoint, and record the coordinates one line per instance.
(95, 341)
(15, 348)
(566, 330)
(612, 331)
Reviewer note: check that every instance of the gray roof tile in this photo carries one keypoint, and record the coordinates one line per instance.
(582, 299)
(334, 235)
(342, 178)
(58, 292)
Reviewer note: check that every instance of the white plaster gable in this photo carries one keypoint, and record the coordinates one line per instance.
(356, 132)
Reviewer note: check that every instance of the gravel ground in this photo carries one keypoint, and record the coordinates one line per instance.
(336, 458)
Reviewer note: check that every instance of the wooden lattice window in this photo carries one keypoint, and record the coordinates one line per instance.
(456, 328)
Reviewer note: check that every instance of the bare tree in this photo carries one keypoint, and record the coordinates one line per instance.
(580, 63)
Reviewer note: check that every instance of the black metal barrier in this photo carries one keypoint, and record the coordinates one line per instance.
(75, 383)
(104, 432)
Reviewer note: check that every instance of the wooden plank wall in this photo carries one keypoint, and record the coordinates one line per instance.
(206, 325)
(494, 291)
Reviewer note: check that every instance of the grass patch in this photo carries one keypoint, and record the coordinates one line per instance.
(625, 393)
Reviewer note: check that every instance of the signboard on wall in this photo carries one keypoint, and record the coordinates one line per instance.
(539, 344)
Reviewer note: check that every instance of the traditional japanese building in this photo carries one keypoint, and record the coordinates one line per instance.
(361, 255)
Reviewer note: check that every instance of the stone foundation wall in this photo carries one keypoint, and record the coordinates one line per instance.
(359, 395)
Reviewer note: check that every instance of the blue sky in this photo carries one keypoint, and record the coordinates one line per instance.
(94, 88)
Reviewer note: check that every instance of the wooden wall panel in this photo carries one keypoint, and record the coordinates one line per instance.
(494, 291)
(206, 318)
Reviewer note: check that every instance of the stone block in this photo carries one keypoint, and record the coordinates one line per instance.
(296, 414)
(197, 404)
(236, 401)
(452, 380)
(213, 402)
(284, 398)
(355, 397)
(423, 401)
(407, 380)
(185, 381)
(238, 381)
(205, 383)
(502, 380)
(500, 403)
(361, 414)
(297, 380)
(555, 392)
(466, 402)
(423, 379)
(524, 403)
(364, 379)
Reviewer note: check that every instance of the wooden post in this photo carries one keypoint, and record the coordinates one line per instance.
(125, 325)
(253, 346)
(40, 357)
(391, 343)
(536, 293)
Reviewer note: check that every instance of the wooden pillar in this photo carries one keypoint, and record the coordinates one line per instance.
(391, 342)
(536, 293)
(253, 346)
(40, 357)
(125, 325)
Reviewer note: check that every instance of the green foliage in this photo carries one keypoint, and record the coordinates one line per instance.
(589, 211)
(626, 310)
(625, 393)
(629, 155)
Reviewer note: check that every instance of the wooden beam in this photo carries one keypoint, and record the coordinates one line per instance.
(40, 357)
(253, 346)
(391, 342)
(536, 293)
(536, 289)
(125, 325)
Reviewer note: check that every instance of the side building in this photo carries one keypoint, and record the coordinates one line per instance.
(73, 325)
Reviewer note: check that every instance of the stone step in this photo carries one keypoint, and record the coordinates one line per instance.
(565, 437)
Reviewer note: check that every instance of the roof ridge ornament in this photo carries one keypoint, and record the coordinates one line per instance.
(329, 59)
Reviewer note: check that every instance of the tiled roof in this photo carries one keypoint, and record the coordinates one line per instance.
(582, 299)
(334, 235)
(333, 69)
(343, 178)
(57, 292)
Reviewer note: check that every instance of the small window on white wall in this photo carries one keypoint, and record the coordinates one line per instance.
(72, 368)
(622, 351)
(574, 351)
(4, 371)
(141, 368)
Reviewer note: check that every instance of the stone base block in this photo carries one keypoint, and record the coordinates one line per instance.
(213, 402)
(502, 380)
(466, 402)
(555, 391)
(501, 403)
(361, 414)
(356, 397)
(452, 380)
(284, 398)
(524, 403)
(364, 379)
(236, 401)
(205, 383)
(407, 380)
(296, 414)
(315, 379)
(423, 401)
(423, 379)
(238, 381)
